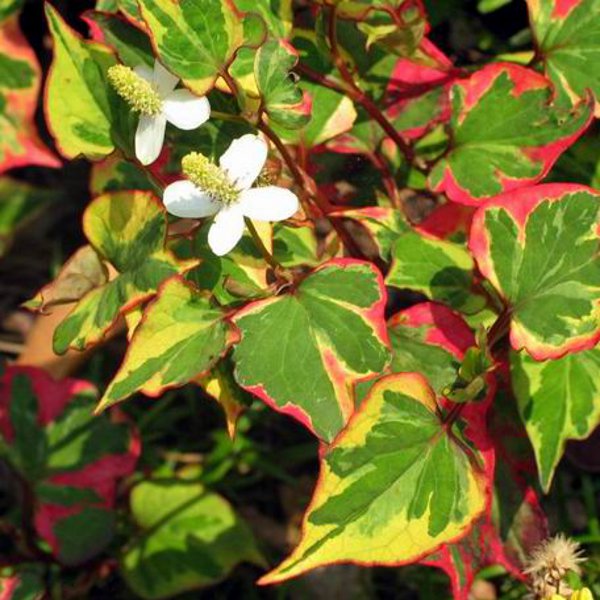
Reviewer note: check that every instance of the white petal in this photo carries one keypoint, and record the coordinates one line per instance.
(149, 137)
(244, 159)
(164, 80)
(145, 72)
(184, 199)
(185, 110)
(270, 203)
(226, 230)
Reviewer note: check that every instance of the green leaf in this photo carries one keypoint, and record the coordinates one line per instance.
(181, 336)
(85, 534)
(277, 14)
(515, 148)
(294, 246)
(441, 270)
(131, 44)
(29, 446)
(20, 204)
(395, 485)
(76, 438)
(301, 352)
(81, 107)
(384, 225)
(430, 339)
(114, 173)
(190, 538)
(282, 99)
(539, 249)
(567, 38)
(128, 230)
(559, 400)
(195, 39)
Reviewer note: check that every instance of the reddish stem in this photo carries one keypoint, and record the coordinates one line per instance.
(363, 99)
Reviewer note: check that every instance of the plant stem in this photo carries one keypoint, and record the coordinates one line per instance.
(269, 258)
(309, 190)
(363, 99)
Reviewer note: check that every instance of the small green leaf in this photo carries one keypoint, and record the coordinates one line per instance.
(131, 44)
(441, 270)
(282, 99)
(190, 538)
(559, 400)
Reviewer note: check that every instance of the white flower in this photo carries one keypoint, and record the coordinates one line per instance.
(225, 191)
(152, 93)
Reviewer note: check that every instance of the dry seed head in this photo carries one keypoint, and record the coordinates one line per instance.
(135, 90)
(550, 562)
(209, 178)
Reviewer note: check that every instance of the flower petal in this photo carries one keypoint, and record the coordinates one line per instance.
(164, 80)
(244, 159)
(184, 199)
(185, 110)
(145, 72)
(226, 230)
(149, 137)
(269, 203)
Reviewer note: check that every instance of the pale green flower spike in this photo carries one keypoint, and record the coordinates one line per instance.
(209, 177)
(135, 90)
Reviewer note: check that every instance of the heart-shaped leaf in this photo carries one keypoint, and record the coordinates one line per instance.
(515, 148)
(395, 485)
(128, 230)
(567, 38)
(539, 249)
(559, 400)
(180, 337)
(190, 538)
(302, 352)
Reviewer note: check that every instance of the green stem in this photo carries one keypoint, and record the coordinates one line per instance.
(269, 258)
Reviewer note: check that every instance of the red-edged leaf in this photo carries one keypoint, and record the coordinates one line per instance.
(19, 89)
(539, 248)
(516, 147)
(447, 221)
(301, 352)
(447, 338)
(71, 460)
